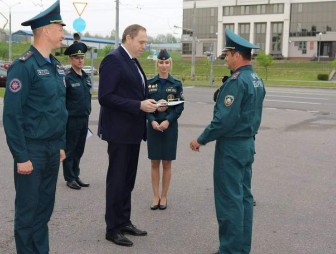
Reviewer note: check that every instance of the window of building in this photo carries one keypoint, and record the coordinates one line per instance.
(277, 8)
(281, 8)
(277, 29)
(208, 47)
(186, 48)
(302, 45)
(261, 28)
(206, 22)
(228, 11)
(309, 19)
(212, 12)
(260, 36)
(261, 9)
(244, 10)
(231, 27)
(244, 31)
(299, 8)
(212, 30)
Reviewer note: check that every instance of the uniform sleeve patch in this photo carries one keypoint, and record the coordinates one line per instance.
(15, 85)
(228, 100)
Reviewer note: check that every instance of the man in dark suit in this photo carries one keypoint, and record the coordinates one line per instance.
(122, 123)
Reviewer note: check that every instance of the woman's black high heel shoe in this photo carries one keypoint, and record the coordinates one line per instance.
(155, 207)
(163, 207)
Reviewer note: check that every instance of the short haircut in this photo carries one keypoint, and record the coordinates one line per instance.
(246, 55)
(132, 31)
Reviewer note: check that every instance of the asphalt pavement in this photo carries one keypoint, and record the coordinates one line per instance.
(294, 184)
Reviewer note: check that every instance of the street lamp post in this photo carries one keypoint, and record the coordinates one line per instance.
(193, 44)
(319, 47)
(10, 28)
(211, 56)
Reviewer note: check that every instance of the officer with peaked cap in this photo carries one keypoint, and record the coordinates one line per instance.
(34, 118)
(78, 103)
(162, 127)
(236, 119)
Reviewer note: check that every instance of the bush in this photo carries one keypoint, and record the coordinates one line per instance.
(322, 77)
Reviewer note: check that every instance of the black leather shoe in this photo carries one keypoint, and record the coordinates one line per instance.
(73, 185)
(119, 239)
(155, 207)
(81, 183)
(132, 230)
(163, 207)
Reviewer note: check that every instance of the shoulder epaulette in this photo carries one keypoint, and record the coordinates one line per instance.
(235, 75)
(26, 55)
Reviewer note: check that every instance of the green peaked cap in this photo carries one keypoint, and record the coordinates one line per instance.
(76, 49)
(49, 16)
(234, 41)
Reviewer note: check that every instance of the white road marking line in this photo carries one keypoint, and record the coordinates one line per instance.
(297, 102)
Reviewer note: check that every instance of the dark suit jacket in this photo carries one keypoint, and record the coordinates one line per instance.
(120, 92)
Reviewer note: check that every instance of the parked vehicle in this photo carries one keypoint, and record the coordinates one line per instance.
(3, 77)
(87, 69)
(153, 57)
(5, 65)
(67, 67)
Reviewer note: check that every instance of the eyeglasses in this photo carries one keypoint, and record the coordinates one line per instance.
(78, 57)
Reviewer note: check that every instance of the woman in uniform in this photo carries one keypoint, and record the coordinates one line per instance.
(162, 127)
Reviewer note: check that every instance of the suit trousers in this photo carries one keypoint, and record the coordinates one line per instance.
(120, 180)
(35, 197)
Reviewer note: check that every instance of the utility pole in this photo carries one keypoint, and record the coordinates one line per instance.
(319, 47)
(10, 28)
(193, 45)
(212, 59)
(116, 42)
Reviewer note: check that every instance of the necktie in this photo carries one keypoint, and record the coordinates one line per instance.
(142, 77)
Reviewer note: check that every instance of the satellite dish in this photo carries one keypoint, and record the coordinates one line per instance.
(79, 24)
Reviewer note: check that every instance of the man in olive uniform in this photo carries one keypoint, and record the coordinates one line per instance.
(34, 118)
(236, 119)
(78, 103)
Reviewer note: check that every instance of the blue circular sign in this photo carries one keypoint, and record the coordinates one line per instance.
(79, 24)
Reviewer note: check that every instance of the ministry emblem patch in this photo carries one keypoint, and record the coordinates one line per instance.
(228, 100)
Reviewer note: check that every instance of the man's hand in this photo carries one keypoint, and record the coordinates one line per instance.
(163, 108)
(62, 155)
(148, 105)
(195, 146)
(24, 168)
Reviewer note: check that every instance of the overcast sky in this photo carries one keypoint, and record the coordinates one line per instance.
(158, 16)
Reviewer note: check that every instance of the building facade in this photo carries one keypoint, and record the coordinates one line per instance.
(304, 29)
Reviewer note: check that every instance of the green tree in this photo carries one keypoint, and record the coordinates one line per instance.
(264, 60)
(333, 64)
